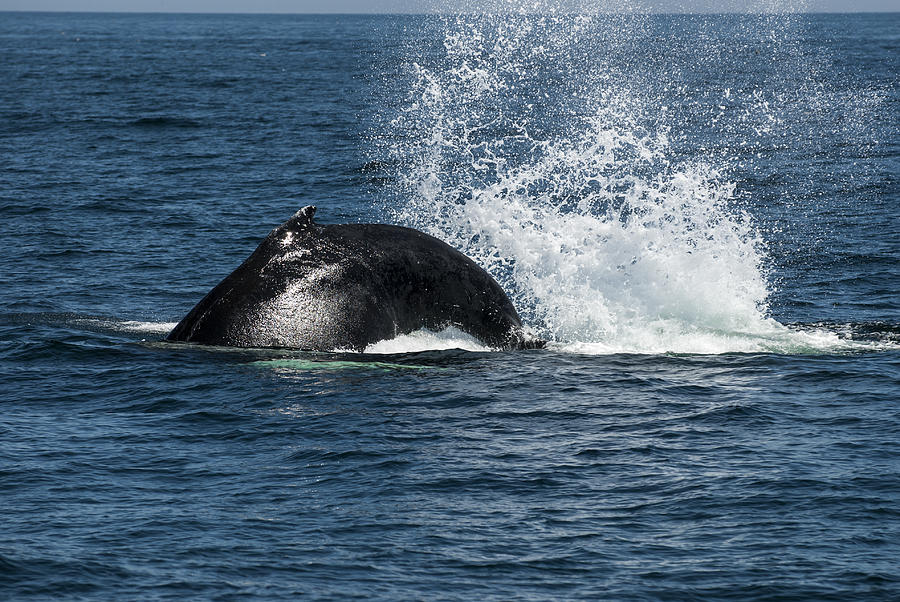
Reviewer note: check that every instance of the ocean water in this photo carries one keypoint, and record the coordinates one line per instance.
(701, 214)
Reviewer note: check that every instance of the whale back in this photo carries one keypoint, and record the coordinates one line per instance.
(345, 286)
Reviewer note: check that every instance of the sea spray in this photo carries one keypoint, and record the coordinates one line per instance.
(606, 184)
(571, 196)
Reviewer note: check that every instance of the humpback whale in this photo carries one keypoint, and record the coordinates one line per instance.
(344, 286)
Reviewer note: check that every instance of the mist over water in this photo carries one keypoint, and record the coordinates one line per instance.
(596, 177)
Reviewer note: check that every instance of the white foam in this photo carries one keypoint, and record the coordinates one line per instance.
(426, 340)
(778, 339)
(128, 325)
(148, 327)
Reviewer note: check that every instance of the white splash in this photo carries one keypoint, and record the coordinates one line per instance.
(606, 240)
(426, 340)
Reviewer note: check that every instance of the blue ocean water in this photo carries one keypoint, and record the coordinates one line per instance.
(700, 213)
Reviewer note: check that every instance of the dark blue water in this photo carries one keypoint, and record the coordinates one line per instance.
(144, 157)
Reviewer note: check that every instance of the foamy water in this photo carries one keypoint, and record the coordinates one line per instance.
(426, 340)
(148, 327)
(129, 326)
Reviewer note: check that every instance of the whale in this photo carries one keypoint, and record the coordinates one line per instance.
(343, 287)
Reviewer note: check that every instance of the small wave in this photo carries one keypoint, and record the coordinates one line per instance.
(426, 340)
(322, 365)
(132, 326)
(88, 322)
(165, 122)
(878, 332)
(815, 339)
(148, 327)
